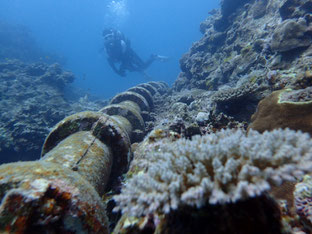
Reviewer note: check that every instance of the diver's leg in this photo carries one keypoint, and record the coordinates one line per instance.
(113, 66)
(149, 61)
(122, 69)
(138, 64)
(135, 61)
(127, 64)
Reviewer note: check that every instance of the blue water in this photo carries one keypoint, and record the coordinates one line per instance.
(72, 28)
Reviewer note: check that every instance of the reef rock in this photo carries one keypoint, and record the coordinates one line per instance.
(295, 8)
(291, 34)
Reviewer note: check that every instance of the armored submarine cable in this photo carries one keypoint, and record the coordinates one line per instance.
(82, 157)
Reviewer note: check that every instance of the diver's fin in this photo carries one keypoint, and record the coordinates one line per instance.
(162, 58)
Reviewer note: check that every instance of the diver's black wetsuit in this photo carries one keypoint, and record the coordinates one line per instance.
(119, 51)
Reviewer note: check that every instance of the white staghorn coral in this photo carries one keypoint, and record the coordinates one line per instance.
(216, 168)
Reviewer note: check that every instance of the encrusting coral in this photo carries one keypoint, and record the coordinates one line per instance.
(218, 168)
(285, 108)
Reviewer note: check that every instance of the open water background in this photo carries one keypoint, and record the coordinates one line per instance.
(73, 28)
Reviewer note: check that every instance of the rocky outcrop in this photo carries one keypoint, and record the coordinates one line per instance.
(291, 34)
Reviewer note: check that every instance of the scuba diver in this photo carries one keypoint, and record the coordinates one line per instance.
(119, 51)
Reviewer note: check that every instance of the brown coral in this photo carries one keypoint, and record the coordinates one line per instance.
(283, 109)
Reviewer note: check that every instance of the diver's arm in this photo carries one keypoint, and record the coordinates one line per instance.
(123, 46)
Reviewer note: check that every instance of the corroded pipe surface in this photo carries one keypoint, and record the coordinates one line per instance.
(91, 153)
(91, 143)
(145, 93)
(124, 123)
(131, 114)
(42, 197)
(132, 96)
(149, 87)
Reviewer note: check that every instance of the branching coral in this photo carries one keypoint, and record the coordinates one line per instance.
(303, 203)
(215, 169)
(233, 101)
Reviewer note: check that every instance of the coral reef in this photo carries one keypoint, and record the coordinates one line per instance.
(32, 102)
(186, 173)
(284, 109)
(182, 111)
(249, 49)
(295, 8)
(215, 169)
